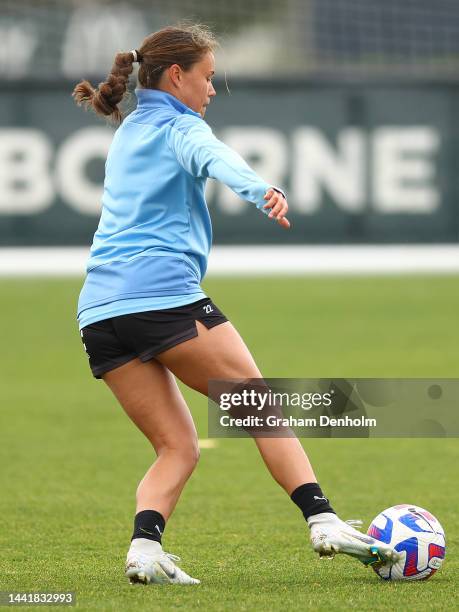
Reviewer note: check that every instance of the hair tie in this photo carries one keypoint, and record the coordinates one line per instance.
(136, 55)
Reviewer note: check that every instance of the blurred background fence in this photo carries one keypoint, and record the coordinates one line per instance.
(337, 38)
(351, 105)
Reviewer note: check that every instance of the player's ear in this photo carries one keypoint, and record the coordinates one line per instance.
(175, 74)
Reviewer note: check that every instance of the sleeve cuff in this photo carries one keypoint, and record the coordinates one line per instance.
(279, 190)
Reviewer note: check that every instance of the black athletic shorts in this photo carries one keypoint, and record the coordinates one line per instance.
(112, 342)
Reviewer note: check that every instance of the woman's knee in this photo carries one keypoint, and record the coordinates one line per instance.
(191, 452)
(186, 452)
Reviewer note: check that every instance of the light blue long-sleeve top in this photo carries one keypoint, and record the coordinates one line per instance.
(151, 247)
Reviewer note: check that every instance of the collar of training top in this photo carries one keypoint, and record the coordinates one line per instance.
(154, 98)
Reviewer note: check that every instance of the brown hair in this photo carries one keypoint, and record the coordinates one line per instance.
(183, 45)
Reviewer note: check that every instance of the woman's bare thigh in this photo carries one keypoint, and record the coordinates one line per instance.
(216, 353)
(150, 396)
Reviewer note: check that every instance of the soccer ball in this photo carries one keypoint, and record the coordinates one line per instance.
(416, 534)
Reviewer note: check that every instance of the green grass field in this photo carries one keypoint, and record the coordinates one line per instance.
(71, 460)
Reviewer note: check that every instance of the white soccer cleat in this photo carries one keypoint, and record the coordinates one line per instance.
(147, 563)
(330, 536)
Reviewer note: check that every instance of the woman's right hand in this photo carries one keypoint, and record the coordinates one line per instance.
(278, 205)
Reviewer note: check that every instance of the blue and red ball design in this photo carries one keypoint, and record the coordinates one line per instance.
(415, 533)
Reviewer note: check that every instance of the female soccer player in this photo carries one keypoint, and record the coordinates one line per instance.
(143, 316)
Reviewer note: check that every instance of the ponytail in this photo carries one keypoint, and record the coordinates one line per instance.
(106, 98)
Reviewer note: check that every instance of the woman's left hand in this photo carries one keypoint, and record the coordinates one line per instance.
(279, 207)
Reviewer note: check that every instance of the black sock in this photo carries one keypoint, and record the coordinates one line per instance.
(149, 524)
(310, 499)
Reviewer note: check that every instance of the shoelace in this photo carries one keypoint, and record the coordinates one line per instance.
(356, 523)
(172, 557)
